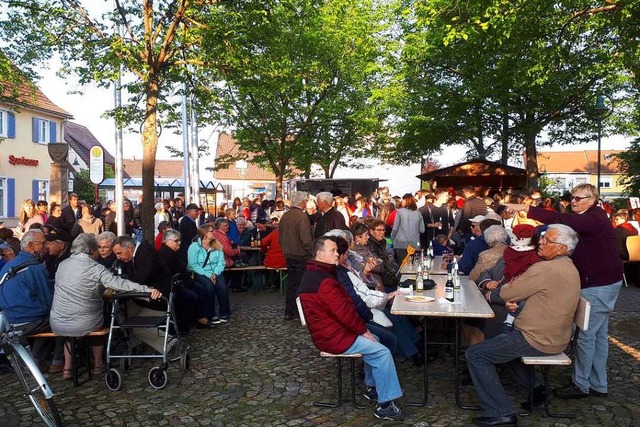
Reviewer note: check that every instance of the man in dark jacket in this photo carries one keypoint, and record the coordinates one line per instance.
(331, 219)
(188, 228)
(140, 264)
(336, 327)
(58, 249)
(295, 240)
(473, 206)
(71, 213)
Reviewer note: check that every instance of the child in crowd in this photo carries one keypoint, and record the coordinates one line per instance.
(517, 259)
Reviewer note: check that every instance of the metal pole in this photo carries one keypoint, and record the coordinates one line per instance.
(195, 167)
(186, 172)
(599, 156)
(119, 164)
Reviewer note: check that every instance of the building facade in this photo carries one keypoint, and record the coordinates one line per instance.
(570, 168)
(27, 126)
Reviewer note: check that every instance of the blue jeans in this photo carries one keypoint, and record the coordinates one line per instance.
(482, 359)
(220, 292)
(379, 368)
(592, 345)
(206, 297)
(386, 337)
(405, 333)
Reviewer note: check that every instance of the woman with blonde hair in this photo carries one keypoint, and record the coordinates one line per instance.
(206, 261)
(29, 215)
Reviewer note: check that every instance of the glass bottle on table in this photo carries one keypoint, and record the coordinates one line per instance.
(419, 280)
(448, 288)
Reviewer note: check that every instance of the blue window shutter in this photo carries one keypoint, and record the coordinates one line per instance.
(11, 125)
(35, 125)
(11, 197)
(53, 137)
(34, 190)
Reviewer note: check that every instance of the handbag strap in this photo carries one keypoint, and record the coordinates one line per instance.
(206, 260)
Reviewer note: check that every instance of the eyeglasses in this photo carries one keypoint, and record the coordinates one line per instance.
(544, 241)
(579, 198)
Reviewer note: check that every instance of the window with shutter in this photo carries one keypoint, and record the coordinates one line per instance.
(42, 130)
(4, 123)
(3, 197)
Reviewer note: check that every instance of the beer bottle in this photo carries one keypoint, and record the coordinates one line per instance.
(448, 288)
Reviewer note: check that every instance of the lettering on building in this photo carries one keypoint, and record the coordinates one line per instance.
(13, 160)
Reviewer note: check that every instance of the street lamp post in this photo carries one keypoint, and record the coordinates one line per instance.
(602, 112)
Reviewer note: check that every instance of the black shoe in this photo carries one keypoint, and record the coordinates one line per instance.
(570, 392)
(595, 393)
(538, 398)
(291, 317)
(511, 420)
(371, 394)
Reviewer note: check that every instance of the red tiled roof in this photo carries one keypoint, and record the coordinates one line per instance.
(31, 96)
(227, 145)
(164, 168)
(583, 161)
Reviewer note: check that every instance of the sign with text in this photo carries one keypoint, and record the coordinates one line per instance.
(96, 164)
(13, 160)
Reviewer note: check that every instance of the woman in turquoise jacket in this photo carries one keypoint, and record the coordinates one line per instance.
(206, 261)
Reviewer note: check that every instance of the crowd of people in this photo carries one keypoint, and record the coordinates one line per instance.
(532, 258)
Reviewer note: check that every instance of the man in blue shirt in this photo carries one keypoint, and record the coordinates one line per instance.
(26, 293)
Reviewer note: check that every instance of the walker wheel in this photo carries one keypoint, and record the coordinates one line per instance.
(158, 378)
(185, 360)
(113, 378)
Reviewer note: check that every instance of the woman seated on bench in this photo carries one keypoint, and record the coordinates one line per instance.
(78, 297)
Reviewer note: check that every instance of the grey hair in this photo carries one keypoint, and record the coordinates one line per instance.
(124, 242)
(241, 220)
(29, 237)
(566, 236)
(170, 234)
(495, 234)
(298, 197)
(85, 243)
(106, 236)
(325, 197)
(219, 221)
(345, 234)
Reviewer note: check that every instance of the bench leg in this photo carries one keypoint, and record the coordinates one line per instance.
(339, 388)
(283, 282)
(545, 373)
(352, 366)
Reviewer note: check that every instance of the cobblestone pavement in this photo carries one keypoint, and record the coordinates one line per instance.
(259, 370)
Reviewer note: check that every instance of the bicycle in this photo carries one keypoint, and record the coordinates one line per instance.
(36, 388)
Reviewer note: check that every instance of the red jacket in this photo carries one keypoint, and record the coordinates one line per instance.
(274, 258)
(330, 313)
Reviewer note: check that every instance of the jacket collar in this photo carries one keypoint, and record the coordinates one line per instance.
(317, 265)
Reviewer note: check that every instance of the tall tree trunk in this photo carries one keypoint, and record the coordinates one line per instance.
(279, 178)
(505, 138)
(531, 158)
(149, 149)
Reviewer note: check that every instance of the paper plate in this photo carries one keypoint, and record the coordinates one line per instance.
(418, 298)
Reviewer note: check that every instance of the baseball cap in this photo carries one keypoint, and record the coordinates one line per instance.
(57, 234)
(192, 206)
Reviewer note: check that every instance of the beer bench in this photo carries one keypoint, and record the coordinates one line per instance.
(74, 365)
(282, 272)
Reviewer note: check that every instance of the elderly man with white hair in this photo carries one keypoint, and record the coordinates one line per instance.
(331, 219)
(550, 290)
(296, 237)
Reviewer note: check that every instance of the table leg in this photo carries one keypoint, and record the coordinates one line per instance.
(425, 378)
(458, 338)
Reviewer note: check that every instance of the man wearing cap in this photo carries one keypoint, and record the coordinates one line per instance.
(477, 244)
(188, 228)
(57, 249)
(71, 213)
